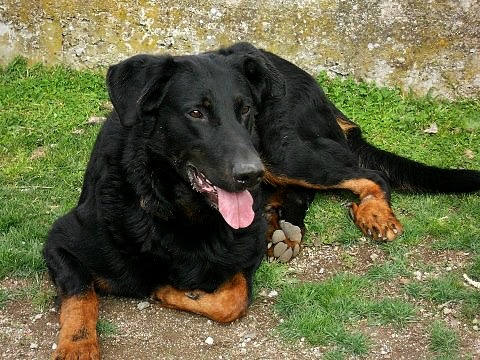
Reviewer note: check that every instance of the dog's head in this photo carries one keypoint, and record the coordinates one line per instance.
(198, 113)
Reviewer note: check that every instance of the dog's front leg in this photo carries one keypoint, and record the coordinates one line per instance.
(78, 335)
(229, 302)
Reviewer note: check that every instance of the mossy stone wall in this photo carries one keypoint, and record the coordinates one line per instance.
(420, 46)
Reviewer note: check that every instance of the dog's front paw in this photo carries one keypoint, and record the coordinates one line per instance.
(285, 242)
(78, 350)
(376, 219)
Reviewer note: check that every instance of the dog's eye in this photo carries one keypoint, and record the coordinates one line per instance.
(245, 110)
(196, 114)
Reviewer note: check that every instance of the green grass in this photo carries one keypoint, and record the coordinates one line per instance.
(389, 270)
(40, 297)
(270, 276)
(395, 122)
(106, 328)
(448, 288)
(444, 342)
(45, 143)
(4, 297)
(322, 313)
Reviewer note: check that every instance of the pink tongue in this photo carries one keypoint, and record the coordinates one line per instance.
(236, 208)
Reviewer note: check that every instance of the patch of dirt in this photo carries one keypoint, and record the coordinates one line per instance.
(156, 332)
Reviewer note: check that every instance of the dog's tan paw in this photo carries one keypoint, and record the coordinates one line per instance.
(81, 350)
(376, 219)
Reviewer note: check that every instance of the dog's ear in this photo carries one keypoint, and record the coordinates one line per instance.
(136, 85)
(262, 74)
(265, 78)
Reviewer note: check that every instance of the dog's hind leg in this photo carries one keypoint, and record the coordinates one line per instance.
(78, 300)
(229, 302)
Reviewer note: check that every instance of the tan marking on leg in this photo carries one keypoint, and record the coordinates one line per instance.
(229, 302)
(78, 335)
(284, 181)
(362, 187)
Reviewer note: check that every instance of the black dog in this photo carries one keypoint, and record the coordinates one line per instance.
(204, 158)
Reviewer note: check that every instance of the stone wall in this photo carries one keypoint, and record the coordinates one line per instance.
(418, 45)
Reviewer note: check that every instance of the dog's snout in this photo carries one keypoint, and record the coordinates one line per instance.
(248, 174)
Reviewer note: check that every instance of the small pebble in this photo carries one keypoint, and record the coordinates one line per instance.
(249, 336)
(447, 311)
(33, 346)
(418, 275)
(272, 293)
(455, 323)
(143, 305)
(374, 257)
(385, 350)
(54, 346)
(475, 327)
(96, 120)
(209, 340)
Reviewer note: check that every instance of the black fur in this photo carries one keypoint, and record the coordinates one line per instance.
(139, 224)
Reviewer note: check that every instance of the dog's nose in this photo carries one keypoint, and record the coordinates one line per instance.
(248, 174)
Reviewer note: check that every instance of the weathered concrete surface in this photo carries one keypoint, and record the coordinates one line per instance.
(420, 45)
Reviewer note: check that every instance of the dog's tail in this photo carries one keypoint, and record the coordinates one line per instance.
(406, 174)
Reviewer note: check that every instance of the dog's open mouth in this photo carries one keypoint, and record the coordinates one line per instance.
(235, 207)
